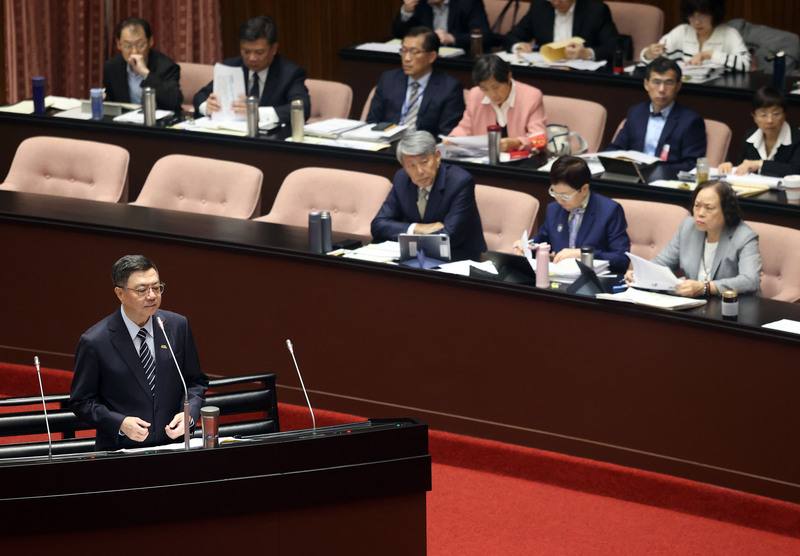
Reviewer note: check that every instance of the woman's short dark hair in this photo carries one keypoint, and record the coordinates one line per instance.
(767, 97)
(570, 170)
(727, 201)
(488, 66)
(259, 27)
(714, 8)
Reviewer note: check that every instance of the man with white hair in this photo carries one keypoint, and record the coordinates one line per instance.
(429, 196)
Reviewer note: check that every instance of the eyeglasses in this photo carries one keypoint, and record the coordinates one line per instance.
(138, 45)
(142, 291)
(764, 115)
(561, 196)
(413, 52)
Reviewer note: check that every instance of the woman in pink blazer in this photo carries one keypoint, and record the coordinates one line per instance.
(498, 99)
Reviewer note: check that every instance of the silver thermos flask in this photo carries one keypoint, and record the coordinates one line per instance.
(209, 416)
(314, 232)
(298, 120)
(325, 221)
(587, 256)
(252, 116)
(149, 106)
(494, 132)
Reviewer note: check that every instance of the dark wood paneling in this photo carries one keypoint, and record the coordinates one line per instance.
(311, 32)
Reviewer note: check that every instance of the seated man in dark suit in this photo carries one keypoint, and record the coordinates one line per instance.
(662, 127)
(417, 95)
(430, 197)
(452, 20)
(558, 20)
(139, 65)
(275, 81)
(125, 382)
(579, 218)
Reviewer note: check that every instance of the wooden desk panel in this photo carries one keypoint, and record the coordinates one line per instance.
(683, 393)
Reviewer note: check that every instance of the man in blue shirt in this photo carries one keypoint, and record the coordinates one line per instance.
(662, 127)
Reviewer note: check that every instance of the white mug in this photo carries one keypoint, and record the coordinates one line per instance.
(791, 184)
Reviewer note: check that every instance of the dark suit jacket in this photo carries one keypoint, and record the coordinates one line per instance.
(452, 202)
(109, 382)
(165, 76)
(285, 82)
(442, 103)
(462, 18)
(603, 228)
(786, 161)
(591, 21)
(684, 132)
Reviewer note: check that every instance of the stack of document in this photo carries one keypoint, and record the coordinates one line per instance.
(595, 166)
(366, 133)
(207, 125)
(465, 146)
(393, 47)
(50, 101)
(567, 270)
(651, 299)
(701, 73)
(652, 276)
(331, 128)
(784, 325)
(343, 143)
(137, 116)
(537, 60)
(386, 252)
(631, 156)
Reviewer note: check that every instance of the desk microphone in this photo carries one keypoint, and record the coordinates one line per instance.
(44, 407)
(186, 416)
(313, 420)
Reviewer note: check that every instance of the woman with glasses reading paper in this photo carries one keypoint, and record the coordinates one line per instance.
(579, 218)
(714, 248)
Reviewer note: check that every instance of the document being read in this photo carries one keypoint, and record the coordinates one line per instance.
(651, 276)
(228, 86)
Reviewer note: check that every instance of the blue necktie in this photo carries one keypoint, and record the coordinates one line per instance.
(575, 219)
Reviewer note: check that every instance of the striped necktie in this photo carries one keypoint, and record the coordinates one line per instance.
(147, 361)
(413, 107)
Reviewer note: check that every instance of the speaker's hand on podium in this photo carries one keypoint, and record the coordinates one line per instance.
(175, 427)
(134, 428)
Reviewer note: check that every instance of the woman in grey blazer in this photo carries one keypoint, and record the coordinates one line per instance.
(715, 249)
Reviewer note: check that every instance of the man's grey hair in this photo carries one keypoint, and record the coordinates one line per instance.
(415, 143)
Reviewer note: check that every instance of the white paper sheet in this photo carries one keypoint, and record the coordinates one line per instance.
(595, 166)
(74, 114)
(137, 116)
(636, 156)
(651, 299)
(332, 127)
(536, 59)
(462, 267)
(393, 47)
(365, 133)
(785, 325)
(228, 86)
(652, 276)
(567, 269)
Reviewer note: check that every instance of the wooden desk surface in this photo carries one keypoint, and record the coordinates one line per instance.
(682, 393)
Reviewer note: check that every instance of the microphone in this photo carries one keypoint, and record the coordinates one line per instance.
(308, 402)
(186, 415)
(44, 407)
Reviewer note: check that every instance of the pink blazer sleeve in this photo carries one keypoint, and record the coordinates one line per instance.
(527, 118)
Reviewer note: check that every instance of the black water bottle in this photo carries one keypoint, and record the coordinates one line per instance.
(779, 70)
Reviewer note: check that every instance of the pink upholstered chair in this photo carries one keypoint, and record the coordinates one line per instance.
(651, 225)
(329, 99)
(643, 23)
(202, 185)
(505, 213)
(69, 168)
(193, 78)
(780, 259)
(718, 139)
(352, 198)
(365, 110)
(584, 116)
(493, 9)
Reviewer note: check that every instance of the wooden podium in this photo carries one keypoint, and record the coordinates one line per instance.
(347, 489)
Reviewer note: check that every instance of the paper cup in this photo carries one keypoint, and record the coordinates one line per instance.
(791, 184)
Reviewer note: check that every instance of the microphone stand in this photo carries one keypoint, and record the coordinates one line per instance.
(44, 407)
(186, 415)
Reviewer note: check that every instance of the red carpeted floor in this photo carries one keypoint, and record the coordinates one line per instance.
(494, 498)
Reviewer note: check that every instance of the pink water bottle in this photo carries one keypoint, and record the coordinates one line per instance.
(543, 265)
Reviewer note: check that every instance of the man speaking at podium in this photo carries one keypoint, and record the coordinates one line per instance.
(125, 381)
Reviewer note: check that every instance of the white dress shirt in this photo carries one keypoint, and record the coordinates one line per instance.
(501, 112)
(758, 142)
